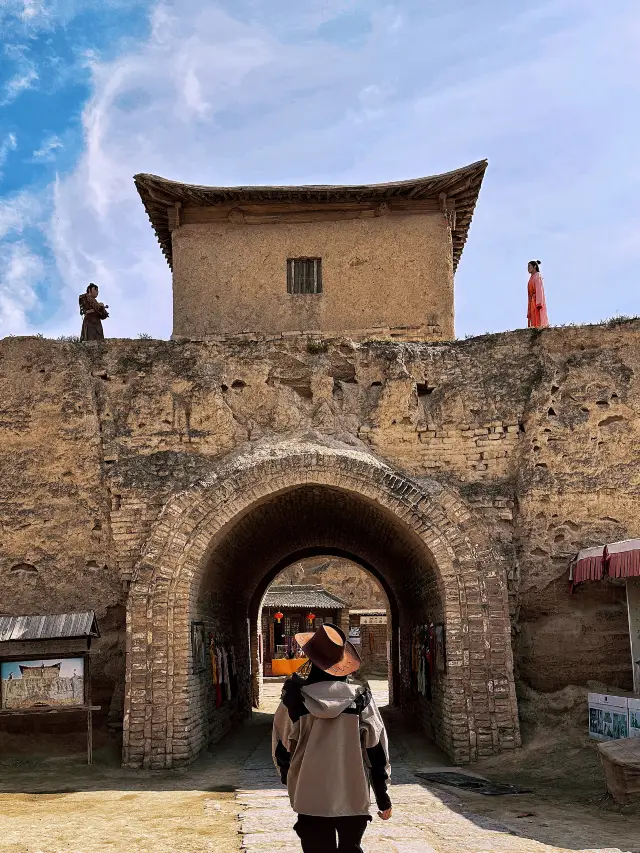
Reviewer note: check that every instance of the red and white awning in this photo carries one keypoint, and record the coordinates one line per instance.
(622, 559)
(618, 560)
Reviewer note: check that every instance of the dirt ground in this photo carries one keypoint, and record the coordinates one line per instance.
(54, 803)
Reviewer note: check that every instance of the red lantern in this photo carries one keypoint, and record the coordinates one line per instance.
(278, 617)
(310, 618)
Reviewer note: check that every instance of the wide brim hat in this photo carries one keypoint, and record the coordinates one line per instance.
(328, 648)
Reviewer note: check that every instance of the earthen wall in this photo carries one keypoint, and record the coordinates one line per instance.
(377, 272)
(537, 432)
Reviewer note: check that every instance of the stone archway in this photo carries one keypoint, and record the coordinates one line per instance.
(217, 541)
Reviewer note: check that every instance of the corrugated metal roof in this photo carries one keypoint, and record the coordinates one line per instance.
(50, 627)
(303, 596)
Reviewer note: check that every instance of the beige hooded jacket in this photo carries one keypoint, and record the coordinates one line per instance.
(330, 744)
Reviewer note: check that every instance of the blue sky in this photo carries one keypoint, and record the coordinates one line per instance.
(318, 91)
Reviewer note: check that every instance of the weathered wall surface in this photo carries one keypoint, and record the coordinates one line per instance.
(339, 577)
(539, 432)
(385, 271)
(56, 548)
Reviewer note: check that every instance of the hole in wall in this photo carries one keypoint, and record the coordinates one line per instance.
(224, 387)
(238, 384)
(26, 568)
(116, 502)
(424, 389)
(376, 384)
(551, 412)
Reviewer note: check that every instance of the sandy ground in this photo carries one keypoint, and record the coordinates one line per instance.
(57, 804)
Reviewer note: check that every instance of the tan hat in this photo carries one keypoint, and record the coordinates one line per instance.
(328, 648)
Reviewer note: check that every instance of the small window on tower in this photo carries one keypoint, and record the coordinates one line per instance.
(304, 275)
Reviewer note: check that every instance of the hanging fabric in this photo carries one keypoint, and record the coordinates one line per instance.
(227, 679)
(220, 700)
(215, 672)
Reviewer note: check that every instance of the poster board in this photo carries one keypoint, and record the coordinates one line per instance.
(45, 682)
(634, 717)
(608, 716)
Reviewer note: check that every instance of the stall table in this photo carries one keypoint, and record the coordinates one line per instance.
(286, 666)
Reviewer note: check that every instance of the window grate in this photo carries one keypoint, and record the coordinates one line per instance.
(304, 275)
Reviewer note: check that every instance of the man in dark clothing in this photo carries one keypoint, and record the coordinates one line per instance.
(92, 313)
(330, 745)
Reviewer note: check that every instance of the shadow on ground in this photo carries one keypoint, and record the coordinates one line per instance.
(567, 809)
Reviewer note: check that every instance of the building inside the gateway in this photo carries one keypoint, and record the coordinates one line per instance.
(313, 405)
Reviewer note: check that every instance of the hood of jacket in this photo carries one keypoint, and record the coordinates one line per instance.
(328, 699)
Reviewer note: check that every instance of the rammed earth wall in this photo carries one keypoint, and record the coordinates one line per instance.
(533, 436)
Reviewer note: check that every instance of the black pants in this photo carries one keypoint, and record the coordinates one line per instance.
(318, 834)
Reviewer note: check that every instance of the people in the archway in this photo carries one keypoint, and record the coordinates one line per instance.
(330, 745)
(92, 313)
(537, 306)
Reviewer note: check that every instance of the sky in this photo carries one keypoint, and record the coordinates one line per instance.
(318, 91)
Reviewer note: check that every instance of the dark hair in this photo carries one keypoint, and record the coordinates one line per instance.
(92, 285)
(535, 264)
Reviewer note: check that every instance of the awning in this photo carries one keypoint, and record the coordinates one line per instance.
(622, 559)
(57, 626)
(588, 565)
(617, 560)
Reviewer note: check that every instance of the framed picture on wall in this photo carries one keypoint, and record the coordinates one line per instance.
(45, 682)
(198, 646)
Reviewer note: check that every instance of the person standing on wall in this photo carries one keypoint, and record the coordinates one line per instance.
(330, 745)
(92, 313)
(537, 307)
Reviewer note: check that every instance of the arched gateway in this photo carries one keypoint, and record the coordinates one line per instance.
(217, 545)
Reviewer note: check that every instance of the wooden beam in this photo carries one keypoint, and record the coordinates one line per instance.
(259, 214)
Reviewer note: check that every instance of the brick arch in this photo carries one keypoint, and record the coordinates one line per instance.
(479, 712)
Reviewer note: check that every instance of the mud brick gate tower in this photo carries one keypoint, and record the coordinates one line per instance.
(313, 401)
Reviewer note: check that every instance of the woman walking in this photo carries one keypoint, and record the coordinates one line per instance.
(330, 746)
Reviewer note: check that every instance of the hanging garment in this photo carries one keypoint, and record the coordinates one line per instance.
(537, 307)
(227, 680)
(220, 674)
(215, 673)
(432, 649)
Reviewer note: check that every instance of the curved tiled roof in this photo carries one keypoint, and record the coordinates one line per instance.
(303, 596)
(462, 186)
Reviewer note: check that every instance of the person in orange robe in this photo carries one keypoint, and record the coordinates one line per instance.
(537, 309)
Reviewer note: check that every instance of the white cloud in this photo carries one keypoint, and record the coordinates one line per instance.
(249, 96)
(46, 152)
(32, 9)
(20, 271)
(21, 211)
(8, 144)
(18, 84)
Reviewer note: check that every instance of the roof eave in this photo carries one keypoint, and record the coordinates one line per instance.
(463, 185)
